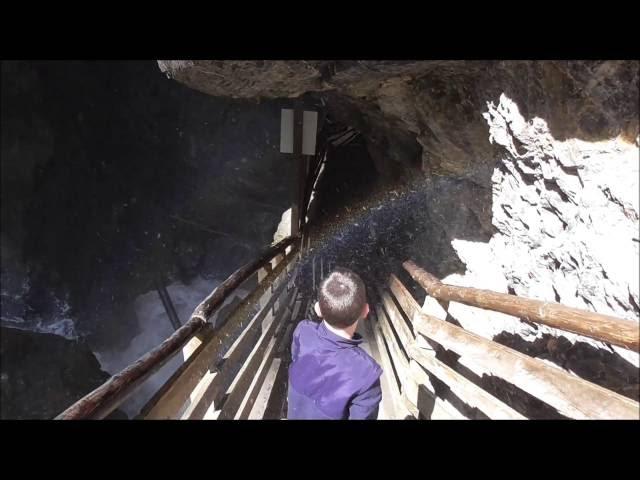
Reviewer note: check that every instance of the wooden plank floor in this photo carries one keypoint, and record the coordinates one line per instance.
(386, 411)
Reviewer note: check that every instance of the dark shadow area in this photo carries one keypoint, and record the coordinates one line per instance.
(576, 98)
(605, 368)
(444, 392)
(372, 223)
(513, 396)
(114, 175)
(59, 370)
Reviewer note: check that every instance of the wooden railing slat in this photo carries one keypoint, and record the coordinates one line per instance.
(465, 389)
(259, 359)
(398, 357)
(394, 315)
(232, 364)
(570, 395)
(398, 405)
(176, 390)
(103, 400)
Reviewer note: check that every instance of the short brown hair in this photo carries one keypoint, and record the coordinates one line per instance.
(342, 297)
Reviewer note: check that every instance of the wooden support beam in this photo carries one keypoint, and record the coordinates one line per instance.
(570, 395)
(301, 172)
(165, 298)
(313, 272)
(623, 333)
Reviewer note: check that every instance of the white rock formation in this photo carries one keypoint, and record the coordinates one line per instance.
(567, 217)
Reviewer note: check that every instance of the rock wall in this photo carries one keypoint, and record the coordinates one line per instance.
(528, 174)
(35, 387)
(112, 176)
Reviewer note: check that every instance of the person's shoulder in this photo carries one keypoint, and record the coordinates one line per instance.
(305, 327)
(367, 367)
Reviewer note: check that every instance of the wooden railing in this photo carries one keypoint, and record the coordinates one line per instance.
(223, 376)
(212, 361)
(191, 338)
(408, 340)
(623, 333)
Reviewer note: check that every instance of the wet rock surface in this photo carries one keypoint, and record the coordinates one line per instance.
(42, 374)
(114, 176)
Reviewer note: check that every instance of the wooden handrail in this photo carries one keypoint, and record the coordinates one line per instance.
(168, 400)
(623, 333)
(220, 294)
(111, 394)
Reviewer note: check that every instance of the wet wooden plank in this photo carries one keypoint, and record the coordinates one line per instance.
(262, 400)
(399, 358)
(276, 405)
(428, 403)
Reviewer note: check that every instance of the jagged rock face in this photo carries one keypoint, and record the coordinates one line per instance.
(35, 387)
(440, 103)
(543, 167)
(112, 174)
(530, 178)
(566, 208)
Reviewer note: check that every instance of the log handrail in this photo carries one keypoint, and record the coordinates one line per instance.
(168, 400)
(110, 395)
(623, 333)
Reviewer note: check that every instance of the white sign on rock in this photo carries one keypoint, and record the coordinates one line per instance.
(309, 131)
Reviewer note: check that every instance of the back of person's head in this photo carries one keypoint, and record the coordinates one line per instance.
(342, 298)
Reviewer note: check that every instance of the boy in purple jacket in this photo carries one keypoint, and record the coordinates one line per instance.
(331, 377)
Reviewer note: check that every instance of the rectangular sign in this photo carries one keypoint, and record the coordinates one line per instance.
(309, 130)
(286, 131)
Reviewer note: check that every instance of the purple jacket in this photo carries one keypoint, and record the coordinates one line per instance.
(331, 377)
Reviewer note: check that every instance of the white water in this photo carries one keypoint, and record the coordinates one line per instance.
(155, 327)
(59, 323)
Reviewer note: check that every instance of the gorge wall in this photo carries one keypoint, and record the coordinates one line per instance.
(523, 175)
